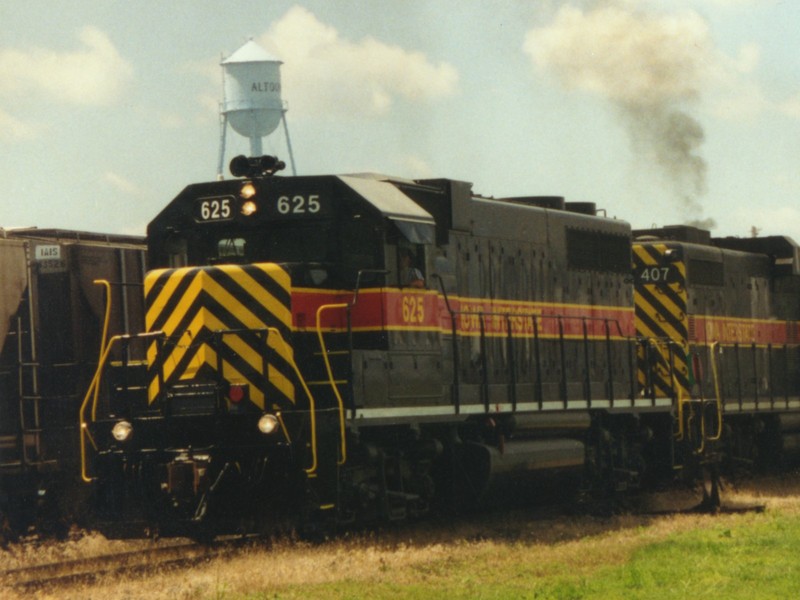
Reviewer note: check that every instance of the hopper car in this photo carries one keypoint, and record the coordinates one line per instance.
(52, 319)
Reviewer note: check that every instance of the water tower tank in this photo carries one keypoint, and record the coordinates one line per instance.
(253, 104)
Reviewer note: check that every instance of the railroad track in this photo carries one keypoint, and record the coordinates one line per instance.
(92, 569)
(179, 556)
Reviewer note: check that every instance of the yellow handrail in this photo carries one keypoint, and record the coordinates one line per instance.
(93, 393)
(717, 394)
(681, 399)
(717, 400)
(654, 343)
(107, 285)
(312, 403)
(324, 349)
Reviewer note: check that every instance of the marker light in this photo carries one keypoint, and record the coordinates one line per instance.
(248, 208)
(248, 191)
(236, 393)
(122, 431)
(268, 424)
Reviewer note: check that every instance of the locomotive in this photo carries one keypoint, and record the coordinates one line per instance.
(324, 351)
(52, 319)
(724, 312)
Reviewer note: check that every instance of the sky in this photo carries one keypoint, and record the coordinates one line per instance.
(661, 112)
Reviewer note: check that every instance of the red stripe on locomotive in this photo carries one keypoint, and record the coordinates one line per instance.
(725, 330)
(427, 310)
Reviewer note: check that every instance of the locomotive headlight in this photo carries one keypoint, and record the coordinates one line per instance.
(122, 431)
(248, 191)
(268, 424)
(248, 208)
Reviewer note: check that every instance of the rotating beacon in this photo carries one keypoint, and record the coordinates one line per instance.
(252, 103)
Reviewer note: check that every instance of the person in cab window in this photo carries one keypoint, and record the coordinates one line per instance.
(409, 275)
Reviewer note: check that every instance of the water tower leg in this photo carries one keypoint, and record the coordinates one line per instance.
(255, 146)
(288, 143)
(223, 126)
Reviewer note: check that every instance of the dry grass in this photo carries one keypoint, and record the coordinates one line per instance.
(493, 546)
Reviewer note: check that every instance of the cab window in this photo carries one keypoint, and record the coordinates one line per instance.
(410, 265)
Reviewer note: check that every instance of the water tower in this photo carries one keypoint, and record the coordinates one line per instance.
(252, 105)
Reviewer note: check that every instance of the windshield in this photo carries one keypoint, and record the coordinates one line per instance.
(291, 243)
(319, 253)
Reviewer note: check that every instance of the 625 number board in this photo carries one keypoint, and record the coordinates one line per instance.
(214, 209)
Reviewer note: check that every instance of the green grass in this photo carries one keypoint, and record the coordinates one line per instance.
(748, 556)
(759, 560)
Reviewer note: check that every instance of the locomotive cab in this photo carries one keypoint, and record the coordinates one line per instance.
(347, 243)
(326, 229)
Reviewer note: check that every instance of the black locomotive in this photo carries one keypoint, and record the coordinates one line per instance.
(328, 350)
(722, 316)
(52, 321)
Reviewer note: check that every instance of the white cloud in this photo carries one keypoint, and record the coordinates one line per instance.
(323, 73)
(13, 129)
(638, 59)
(749, 58)
(170, 120)
(94, 75)
(210, 105)
(121, 184)
(747, 102)
(416, 167)
(624, 55)
(791, 107)
(736, 93)
(734, 3)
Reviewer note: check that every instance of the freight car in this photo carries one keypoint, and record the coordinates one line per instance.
(52, 319)
(329, 350)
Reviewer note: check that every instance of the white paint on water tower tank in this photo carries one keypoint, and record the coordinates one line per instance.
(253, 105)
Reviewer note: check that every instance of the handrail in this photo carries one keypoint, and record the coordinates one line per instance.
(652, 345)
(454, 390)
(311, 402)
(107, 318)
(482, 315)
(93, 394)
(681, 401)
(717, 393)
(349, 306)
(534, 315)
(534, 319)
(331, 378)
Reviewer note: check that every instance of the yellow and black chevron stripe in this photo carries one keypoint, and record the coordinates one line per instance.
(661, 319)
(215, 320)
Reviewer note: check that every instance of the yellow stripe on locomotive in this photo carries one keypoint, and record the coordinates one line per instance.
(661, 319)
(221, 323)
